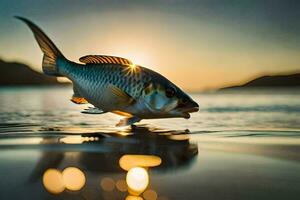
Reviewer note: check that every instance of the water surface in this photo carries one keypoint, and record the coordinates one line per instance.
(241, 145)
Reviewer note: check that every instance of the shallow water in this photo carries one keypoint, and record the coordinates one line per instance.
(241, 145)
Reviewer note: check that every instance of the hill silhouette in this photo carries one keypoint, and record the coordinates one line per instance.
(13, 73)
(291, 80)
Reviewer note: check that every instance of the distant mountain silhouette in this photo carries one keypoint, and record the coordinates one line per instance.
(13, 73)
(292, 80)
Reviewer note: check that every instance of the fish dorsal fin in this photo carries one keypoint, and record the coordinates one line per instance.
(102, 59)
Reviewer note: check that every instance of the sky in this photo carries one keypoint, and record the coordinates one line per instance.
(196, 44)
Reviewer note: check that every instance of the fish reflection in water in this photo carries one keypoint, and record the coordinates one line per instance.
(112, 165)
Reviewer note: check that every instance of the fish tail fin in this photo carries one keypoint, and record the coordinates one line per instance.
(51, 52)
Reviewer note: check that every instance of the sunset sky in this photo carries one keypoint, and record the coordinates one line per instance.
(196, 44)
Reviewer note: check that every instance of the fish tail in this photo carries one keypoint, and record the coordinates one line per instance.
(51, 53)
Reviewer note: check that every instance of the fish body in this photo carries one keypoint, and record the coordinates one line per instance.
(115, 84)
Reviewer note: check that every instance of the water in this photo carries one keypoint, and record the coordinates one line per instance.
(241, 145)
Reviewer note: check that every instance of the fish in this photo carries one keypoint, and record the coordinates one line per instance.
(115, 84)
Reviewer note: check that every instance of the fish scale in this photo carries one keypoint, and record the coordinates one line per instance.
(107, 74)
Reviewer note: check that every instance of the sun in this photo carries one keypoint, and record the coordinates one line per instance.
(132, 69)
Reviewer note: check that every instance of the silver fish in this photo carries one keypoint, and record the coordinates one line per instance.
(115, 84)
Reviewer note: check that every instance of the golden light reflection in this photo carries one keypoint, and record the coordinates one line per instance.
(150, 195)
(124, 133)
(137, 180)
(107, 184)
(74, 178)
(77, 139)
(53, 181)
(127, 162)
(179, 137)
(120, 131)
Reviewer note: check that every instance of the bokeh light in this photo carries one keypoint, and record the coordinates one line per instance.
(137, 180)
(53, 181)
(107, 184)
(121, 185)
(73, 178)
(150, 195)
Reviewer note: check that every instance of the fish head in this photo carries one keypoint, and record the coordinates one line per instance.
(166, 99)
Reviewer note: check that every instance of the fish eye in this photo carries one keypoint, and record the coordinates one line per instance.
(170, 92)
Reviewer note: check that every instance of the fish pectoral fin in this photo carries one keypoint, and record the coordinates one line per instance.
(128, 121)
(102, 59)
(93, 110)
(122, 113)
(117, 96)
(79, 100)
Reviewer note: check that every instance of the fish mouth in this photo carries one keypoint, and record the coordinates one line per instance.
(186, 112)
(191, 110)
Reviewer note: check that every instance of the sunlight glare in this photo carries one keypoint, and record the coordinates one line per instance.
(132, 69)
